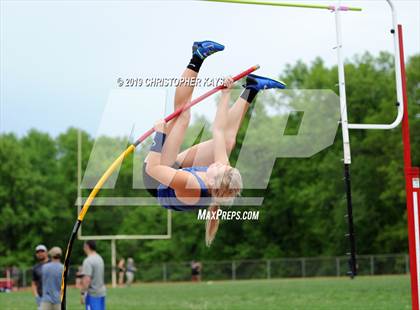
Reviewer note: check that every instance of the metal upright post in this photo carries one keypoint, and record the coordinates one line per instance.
(372, 265)
(23, 278)
(79, 176)
(346, 145)
(164, 272)
(337, 266)
(268, 269)
(303, 267)
(114, 263)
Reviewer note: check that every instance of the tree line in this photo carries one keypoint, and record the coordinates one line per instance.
(304, 204)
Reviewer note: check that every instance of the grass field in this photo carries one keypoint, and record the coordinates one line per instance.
(380, 292)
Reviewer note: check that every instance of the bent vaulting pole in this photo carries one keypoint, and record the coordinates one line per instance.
(112, 168)
(291, 5)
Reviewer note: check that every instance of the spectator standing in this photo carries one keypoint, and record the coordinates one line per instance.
(16, 275)
(42, 258)
(195, 271)
(51, 281)
(131, 270)
(93, 288)
(79, 277)
(121, 271)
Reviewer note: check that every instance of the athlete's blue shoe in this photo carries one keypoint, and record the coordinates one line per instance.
(259, 82)
(206, 48)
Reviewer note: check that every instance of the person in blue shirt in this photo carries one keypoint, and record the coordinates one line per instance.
(51, 281)
(200, 176)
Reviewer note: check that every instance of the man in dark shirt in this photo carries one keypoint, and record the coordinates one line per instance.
(42, 257)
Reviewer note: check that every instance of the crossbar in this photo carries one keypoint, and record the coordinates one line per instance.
(291, 5)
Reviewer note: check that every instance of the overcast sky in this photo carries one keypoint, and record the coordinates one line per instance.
(60, 59)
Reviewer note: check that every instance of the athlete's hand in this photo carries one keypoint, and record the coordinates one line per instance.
(228, 83)
(160, 126)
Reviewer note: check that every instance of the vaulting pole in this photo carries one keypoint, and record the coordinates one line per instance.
(291, 5)
(116, 164)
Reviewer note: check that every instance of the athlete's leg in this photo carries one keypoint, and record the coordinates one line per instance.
(174, 139)
(171, 148)
(202, 154)
(235, 117)
(176, 128)
(183, 93)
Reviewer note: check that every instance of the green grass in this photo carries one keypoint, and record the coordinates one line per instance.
(380, 292)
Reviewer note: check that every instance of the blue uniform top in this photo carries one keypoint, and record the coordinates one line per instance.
(51, 282)
(167, 198)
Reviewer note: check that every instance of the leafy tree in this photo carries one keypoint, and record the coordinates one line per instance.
(304, 204)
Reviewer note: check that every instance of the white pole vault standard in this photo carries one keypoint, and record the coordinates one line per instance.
(352, 262)
(342, 89)
(412, 174)
(343, 108)
(398, 80)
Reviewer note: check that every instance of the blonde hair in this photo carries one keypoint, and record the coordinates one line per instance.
(228, 186)
(212, 225)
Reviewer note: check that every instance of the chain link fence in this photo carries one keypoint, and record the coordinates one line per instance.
(242, 269)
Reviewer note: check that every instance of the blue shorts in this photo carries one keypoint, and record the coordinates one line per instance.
(95, 303)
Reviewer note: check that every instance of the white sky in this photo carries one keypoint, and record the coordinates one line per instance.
(60, 59)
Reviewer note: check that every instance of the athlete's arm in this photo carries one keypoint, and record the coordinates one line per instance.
(219, 126)
(176, 179)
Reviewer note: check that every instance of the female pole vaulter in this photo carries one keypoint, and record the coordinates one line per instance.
(201, 175)
(117, 162)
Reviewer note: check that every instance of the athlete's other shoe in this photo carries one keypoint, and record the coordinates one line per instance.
(257, 82)
(204, 49)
